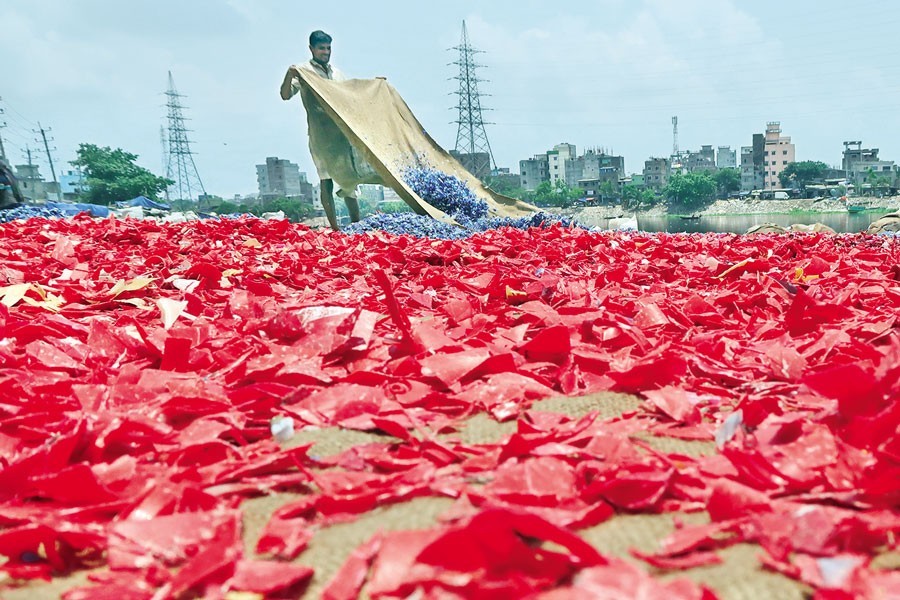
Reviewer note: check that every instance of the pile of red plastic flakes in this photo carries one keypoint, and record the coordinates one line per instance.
(143, 365)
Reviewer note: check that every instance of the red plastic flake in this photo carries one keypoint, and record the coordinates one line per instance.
(143, 365)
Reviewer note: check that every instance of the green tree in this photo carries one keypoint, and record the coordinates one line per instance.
(112, 175)
(879, 184)
(802, 173)
(294, 209)
(691, 190)
(637, 198)
(727, 181)
(394, 207)
(609, 190)
(558, 195)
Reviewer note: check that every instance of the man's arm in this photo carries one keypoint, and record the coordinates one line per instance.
(291, 84)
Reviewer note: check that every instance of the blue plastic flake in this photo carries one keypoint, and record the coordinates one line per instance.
(421, 226)
(408, 223)
(447, 193)
(30, 212)
(452, 196)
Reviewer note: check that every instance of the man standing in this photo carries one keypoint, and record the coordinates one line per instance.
(320, 64)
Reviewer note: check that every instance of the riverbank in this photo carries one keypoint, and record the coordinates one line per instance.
(748, 207)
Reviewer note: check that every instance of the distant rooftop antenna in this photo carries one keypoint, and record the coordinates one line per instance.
(675, 136)
(180, 166)
(471, 137)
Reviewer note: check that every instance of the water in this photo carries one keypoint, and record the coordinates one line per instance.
(843, 222)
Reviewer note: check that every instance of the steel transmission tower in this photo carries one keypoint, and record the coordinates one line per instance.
(471, 137)
(180, 166)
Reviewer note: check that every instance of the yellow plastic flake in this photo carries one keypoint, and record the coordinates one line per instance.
(243, 596)
(512, 294)
(252, 243)
(131, 285)
(51, 302)
(12, 294)
(138, 302)
(801, 277)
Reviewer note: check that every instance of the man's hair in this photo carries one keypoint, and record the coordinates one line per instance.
(319, 37)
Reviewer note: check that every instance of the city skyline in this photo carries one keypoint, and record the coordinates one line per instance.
(608, 74)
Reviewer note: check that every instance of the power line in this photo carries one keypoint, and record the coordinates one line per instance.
(12, 112)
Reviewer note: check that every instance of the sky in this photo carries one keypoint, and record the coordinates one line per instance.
(606, 74)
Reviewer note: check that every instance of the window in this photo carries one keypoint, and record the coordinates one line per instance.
(784, 152)
(784, 162)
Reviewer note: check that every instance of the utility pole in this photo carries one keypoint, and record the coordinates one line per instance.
(28, 152)
(49, 158)
(2, 125)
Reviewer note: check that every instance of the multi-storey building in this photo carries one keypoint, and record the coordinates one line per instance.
(752, 164)
(656, 173)
(556, 161)
(281, 178)
(726, 158)
(858, 163)
(702, 161)
(533, 172)
(591, 164)
(779, 152)
(561, 164)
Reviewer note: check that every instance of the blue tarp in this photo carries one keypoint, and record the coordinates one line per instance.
(144, 202)
(73, 208)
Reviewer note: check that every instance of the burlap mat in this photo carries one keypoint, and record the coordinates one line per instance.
(738, 577)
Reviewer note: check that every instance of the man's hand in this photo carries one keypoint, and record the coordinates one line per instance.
(287, 86)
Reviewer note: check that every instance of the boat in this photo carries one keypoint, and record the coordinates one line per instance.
(855, 208)
(690, 217)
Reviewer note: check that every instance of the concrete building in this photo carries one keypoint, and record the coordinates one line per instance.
(656, 173)
(699, 162)
(478, 164)
(591, 164)
(556, 161)
(71, 184)
(533, 172)
(280, 178)
(779, 152)
(753, 164)
(33, 186)
(593, 187)
(726, 158)
(859, 162)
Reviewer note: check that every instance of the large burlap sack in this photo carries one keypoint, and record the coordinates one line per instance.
(366, 133)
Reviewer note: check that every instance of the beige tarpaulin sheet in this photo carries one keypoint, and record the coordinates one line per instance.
(366, 133)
